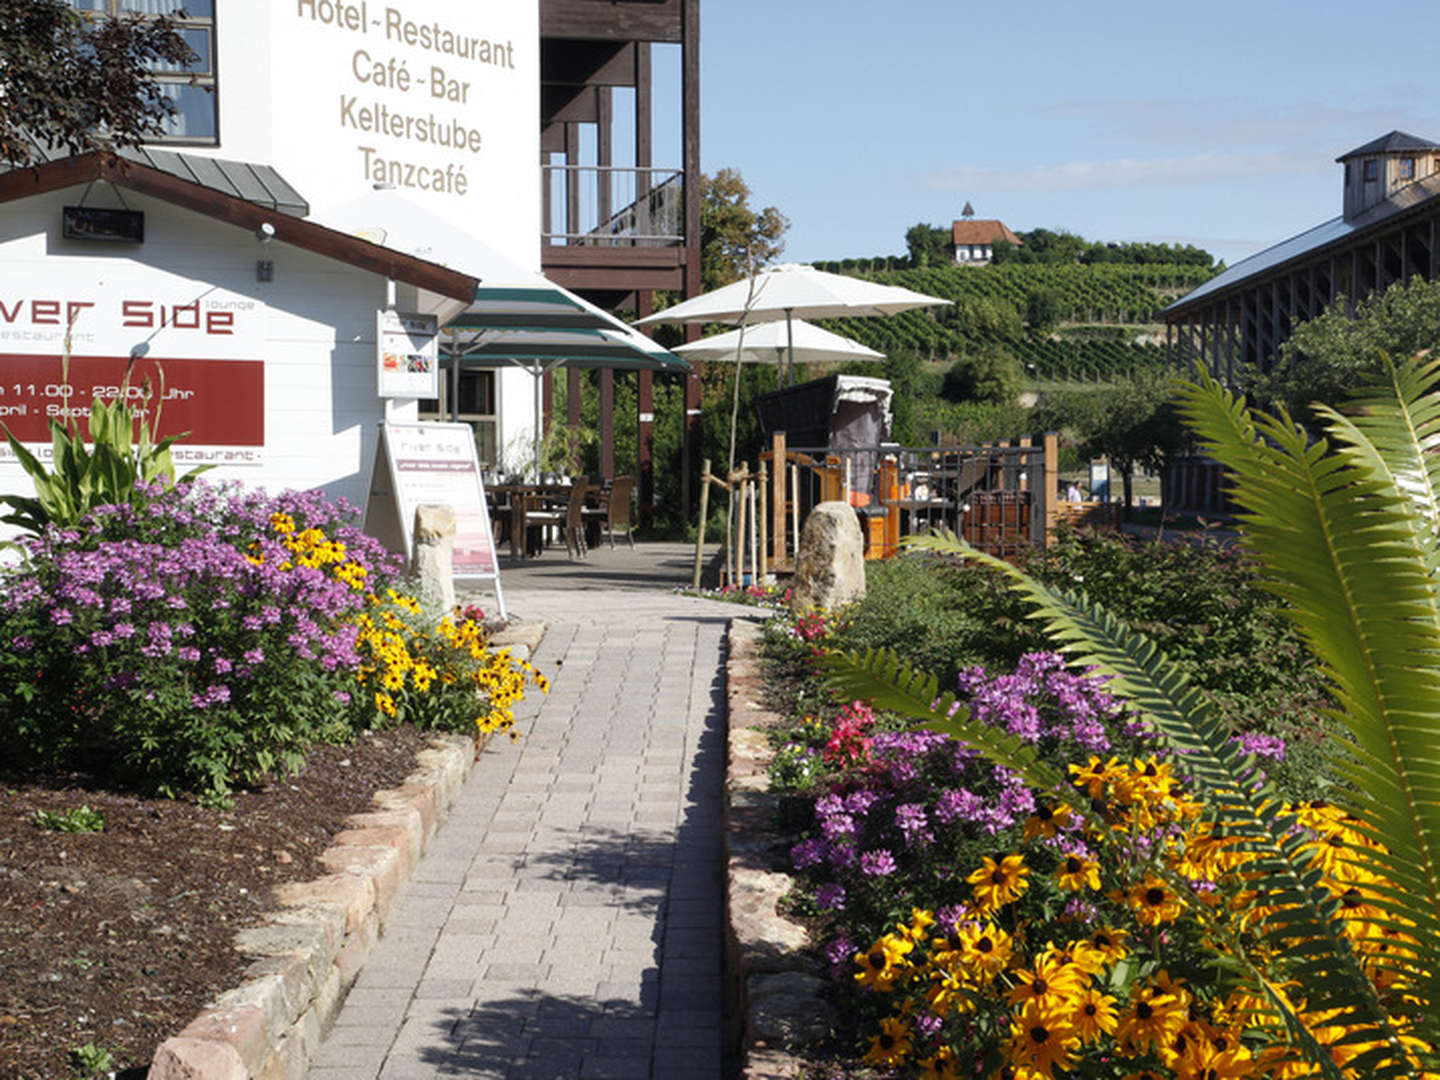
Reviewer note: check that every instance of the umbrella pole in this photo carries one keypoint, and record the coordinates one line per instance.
(538, 374)
(790, 334)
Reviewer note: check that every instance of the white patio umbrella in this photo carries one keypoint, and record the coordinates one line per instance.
(770, 341)
(788, 291)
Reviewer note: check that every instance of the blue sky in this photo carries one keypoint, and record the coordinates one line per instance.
(1212, 123)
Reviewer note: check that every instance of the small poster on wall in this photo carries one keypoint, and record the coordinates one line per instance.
(407, 355)
(432, 463)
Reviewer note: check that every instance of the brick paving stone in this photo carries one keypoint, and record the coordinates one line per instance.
(565, 922)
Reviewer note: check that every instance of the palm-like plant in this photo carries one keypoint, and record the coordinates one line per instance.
(1348, 530)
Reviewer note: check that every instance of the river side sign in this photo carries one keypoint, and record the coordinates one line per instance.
(432, 463)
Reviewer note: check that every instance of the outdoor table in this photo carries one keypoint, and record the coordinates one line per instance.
(914, 512)
(523, 498)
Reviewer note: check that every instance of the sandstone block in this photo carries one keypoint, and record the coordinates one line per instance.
(382, 865)
(352, 893)
(435, 555)
(767, 941)
(242, 1027)
(830, 566)
(358, 944)
(417, 797)
(391, 836)
(183, 1058)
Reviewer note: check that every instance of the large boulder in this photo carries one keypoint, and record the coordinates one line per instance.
(830, 567)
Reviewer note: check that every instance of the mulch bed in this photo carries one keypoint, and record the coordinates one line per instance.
(118, 938)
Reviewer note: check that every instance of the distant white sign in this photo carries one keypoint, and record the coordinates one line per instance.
(407, 355)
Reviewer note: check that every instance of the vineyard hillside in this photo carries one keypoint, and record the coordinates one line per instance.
(1099, 320)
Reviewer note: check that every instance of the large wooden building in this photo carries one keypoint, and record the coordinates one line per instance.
(616, 224)
(1388, 231)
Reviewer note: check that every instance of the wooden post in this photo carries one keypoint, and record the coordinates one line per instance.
(755, 534)
(795, 510)
(738, 480)
(1024, 443)
(729, 534)
(1051, 493)
(607, 423)
(888, 489)
(764, 540)
(777, 506)
(700, 533)
(572, 419)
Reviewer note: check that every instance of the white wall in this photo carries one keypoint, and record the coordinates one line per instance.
(313, 327)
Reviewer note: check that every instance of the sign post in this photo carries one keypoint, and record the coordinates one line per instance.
(433, 463)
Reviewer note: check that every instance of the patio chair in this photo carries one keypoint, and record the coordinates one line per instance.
(616, 511)
(570, 520)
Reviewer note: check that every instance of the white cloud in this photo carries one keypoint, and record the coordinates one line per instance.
(1119, 173)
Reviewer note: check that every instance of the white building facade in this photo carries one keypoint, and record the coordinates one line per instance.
(267, 346)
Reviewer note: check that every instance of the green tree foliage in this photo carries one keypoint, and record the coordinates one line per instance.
(735, 238)
(1043, 310)
(81, 83)
(989, 375)
(928, 245)
(1344, 530)
(1133, 422)
(1060, 247)
(1334, 352)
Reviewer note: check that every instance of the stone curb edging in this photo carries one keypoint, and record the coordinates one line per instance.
(309, 952)
(778, 1001)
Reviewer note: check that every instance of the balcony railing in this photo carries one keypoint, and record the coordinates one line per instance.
(613, 206)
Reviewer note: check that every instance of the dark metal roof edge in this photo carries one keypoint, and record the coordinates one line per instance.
(1304, 253)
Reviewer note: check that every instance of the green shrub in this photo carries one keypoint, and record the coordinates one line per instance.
(1203, 603)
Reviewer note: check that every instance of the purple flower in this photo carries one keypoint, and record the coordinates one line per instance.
(124, 631)
(61, 616)
(1261, 745)
(807, 853)
(188, 653)
(839, 954)
(102, 638)
(837, 826)
(830, 897)
(342, 697)
(878, 863)
(22, 643)
(928, 1024)
(254, 656)
(859, 802)
(222, 665)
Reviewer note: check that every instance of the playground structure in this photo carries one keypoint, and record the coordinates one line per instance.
(999, 497)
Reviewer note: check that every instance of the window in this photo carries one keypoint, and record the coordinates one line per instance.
(191, 89)
(476, 401)
(1407, 168)
(1372, 171)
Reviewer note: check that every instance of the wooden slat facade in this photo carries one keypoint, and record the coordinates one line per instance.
(1246, 324)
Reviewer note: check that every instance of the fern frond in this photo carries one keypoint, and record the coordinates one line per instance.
(1301, 918)
(1349, 539)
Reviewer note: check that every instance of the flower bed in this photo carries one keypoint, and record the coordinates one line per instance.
(975, 926)
(200, 638)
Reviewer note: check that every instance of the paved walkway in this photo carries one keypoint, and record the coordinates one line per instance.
(566, 921)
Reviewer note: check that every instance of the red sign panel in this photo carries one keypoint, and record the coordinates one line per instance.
(219, 402)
